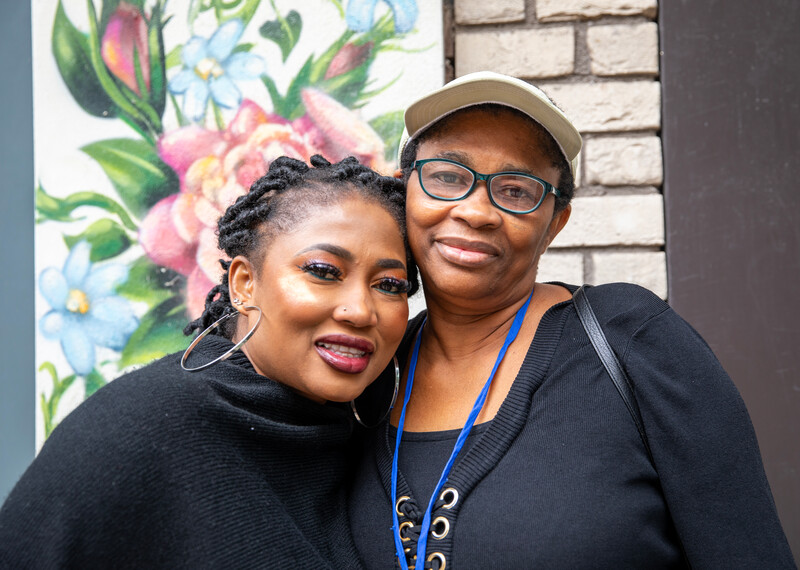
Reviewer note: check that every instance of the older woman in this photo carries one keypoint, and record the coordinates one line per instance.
(513, 448)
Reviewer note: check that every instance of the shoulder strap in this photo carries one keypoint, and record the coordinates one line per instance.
(610, 362)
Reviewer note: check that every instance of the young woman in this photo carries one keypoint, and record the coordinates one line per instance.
(226, 458)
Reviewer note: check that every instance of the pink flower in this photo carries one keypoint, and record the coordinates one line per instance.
(125, 43)
(216, 167)
(341, 133)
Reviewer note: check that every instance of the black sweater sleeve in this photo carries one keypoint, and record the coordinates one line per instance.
(81, 499)
(704, 448)
(169, 469)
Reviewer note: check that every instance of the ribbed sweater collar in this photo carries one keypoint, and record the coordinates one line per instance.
(273, 405)
(506, 425)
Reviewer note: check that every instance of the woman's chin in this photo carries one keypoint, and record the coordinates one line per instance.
(458, 285)
(339, 390)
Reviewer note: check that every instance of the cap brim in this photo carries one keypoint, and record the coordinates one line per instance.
(490, 87)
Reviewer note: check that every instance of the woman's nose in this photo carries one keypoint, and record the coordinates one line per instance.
(477, 209)
(357, 308)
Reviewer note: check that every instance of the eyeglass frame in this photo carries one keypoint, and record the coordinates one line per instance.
(477, 176)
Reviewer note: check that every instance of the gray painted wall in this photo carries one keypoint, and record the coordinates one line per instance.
(17, 390)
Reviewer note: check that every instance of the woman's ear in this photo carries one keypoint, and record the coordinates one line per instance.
(557, 223)
(398, 173)
(241, 281)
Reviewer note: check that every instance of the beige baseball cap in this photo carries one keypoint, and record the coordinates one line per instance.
(490, 87)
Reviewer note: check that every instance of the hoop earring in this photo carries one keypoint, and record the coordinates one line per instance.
(391, 404)
(227, 353)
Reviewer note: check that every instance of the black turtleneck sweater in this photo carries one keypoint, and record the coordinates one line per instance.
(163, 468)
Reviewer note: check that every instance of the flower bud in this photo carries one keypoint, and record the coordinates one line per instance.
(348, 58)
(125, 38)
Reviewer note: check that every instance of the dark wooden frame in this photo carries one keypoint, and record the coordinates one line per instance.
(731, 135)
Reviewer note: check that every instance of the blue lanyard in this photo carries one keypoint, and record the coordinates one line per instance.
(422, 543)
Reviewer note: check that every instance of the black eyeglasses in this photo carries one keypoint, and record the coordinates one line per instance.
(513, 192)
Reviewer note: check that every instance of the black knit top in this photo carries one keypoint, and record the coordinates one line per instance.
(560, 477)
(163, 468)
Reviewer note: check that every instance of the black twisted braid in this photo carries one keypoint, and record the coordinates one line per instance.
(548, 145)
(272, 206)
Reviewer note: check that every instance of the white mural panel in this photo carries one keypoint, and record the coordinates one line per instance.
(151, 116)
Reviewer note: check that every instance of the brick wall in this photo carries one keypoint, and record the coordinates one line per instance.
(598, 60)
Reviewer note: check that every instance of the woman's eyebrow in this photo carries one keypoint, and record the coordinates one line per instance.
(465, 160)
(390, 264)
(453, 155)
(336, 250)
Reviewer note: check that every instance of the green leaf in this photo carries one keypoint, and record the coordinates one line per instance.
(246, 12)
(47, 415)
(390, 128)
(60, 209)
(218, 118)
(173, 58)
(291, 106)
(71, 52)
(284, 31)
(381, 30)
(339, 7)
(158, 69)
(109, 7)
(245, 47)
(278, 101)
(106, 237)
(367, 95)
(139, 176)
(50, 368)
(141, 84)
(195, 8)
(150, 283)
(182, 121)
(50, 407)
(94, 381)
(292, 102)
(348, 87)
(159, 334)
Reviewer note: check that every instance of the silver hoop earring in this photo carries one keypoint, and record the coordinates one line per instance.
(228, 352)
(391, 404)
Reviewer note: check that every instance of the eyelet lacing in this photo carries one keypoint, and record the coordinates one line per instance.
(411, 527)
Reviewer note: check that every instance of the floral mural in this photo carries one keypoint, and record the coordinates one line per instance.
(163, 113)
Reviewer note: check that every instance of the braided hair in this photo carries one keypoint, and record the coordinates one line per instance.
(279, 200)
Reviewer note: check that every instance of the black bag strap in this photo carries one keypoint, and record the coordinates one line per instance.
(617, 373)
(610, 362)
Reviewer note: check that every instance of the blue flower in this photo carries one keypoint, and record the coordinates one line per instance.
(361, 13)
(210, 69)
(85, 310)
